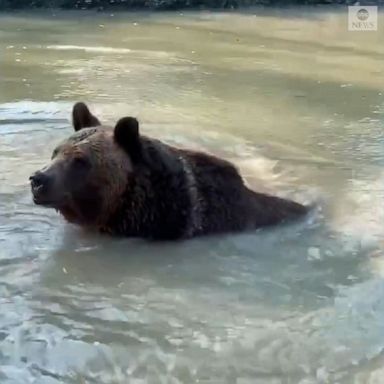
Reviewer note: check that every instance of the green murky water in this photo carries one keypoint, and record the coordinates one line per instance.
(296, 100)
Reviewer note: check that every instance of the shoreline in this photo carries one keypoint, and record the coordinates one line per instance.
(179, 5)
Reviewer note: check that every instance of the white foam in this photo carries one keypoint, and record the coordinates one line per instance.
(89, 49)
(117, 50)
(360, 212)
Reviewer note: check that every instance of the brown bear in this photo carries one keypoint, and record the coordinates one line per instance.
(118, 181)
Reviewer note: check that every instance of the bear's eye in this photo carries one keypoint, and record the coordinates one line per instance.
(81, 163)
(78, 171)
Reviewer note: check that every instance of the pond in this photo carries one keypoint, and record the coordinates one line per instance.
(296, 101)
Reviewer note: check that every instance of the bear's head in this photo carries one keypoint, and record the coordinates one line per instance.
(90, 170)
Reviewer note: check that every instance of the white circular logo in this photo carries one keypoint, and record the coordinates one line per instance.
(362, 14)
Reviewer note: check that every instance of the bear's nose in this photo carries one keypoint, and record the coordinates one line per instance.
(39, 180)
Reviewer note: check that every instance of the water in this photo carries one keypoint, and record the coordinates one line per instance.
(297, 102)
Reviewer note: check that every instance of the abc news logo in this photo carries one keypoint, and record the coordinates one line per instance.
(362, 18)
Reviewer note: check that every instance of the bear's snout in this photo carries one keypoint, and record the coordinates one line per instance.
(41, 183)
(39, 179)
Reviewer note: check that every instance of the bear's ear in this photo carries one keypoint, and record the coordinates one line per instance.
(82, 118)
(127, 136)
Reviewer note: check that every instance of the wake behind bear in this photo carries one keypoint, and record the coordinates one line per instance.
(118, 181)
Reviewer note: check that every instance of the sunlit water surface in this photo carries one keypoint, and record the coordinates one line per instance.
(296, 101)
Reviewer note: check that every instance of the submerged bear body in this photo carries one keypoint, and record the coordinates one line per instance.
(118, 181)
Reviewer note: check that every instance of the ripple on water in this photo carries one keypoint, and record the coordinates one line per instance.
(240, 347)
(296, 304)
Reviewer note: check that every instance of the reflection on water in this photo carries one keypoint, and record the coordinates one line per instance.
(296, 101)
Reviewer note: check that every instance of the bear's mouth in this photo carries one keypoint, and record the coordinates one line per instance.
(45, 202)
(40, 197)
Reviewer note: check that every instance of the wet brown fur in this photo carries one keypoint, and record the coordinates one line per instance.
(82, 117)
(138, 186)
(107, 178)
